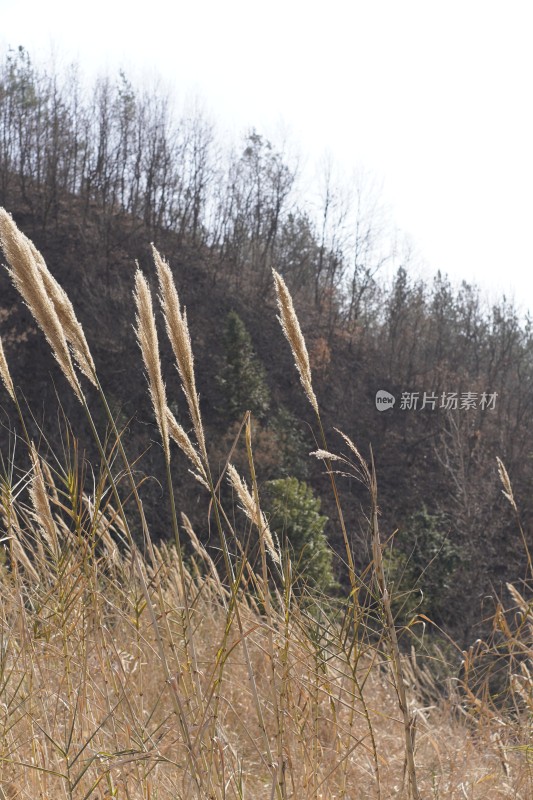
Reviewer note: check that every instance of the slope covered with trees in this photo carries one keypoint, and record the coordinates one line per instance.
(94, 174)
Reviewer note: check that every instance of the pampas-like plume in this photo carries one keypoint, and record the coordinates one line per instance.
(251, 510)
(5, 375)
(507, 490)
(325, 454)
(362, 463)
(26, 275)
(291, 329)
(147, 338)
(67, 317)
(184, 443)
(202, 552)
(508, 493)
(178, 333)
(41, 504)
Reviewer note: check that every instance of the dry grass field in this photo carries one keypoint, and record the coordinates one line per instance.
(133, 670)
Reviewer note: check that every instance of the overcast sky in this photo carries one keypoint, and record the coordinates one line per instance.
(432, 98)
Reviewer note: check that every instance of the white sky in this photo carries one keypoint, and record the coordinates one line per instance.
(433, 98)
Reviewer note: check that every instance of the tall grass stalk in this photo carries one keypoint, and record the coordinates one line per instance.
(291, 328)
(178, 333)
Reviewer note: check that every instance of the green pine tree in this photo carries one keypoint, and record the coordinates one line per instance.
(242, 379)
(294, 517)
(421, 573)
(291, 442)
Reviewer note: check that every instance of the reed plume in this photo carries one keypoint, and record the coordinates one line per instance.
(5, 375)
(184, 443)
(508, 493)
(507, 490)
(202, 552)
(291, 329)
(41, 505)
(148, 342)
(67, 317)
(250, 508)
(178, 333)
(26, 275)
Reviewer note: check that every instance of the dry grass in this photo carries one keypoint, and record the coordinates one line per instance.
(130, 677)
(85, 699)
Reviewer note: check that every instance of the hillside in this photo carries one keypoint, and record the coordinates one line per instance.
(93, 178)
(134, 669)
